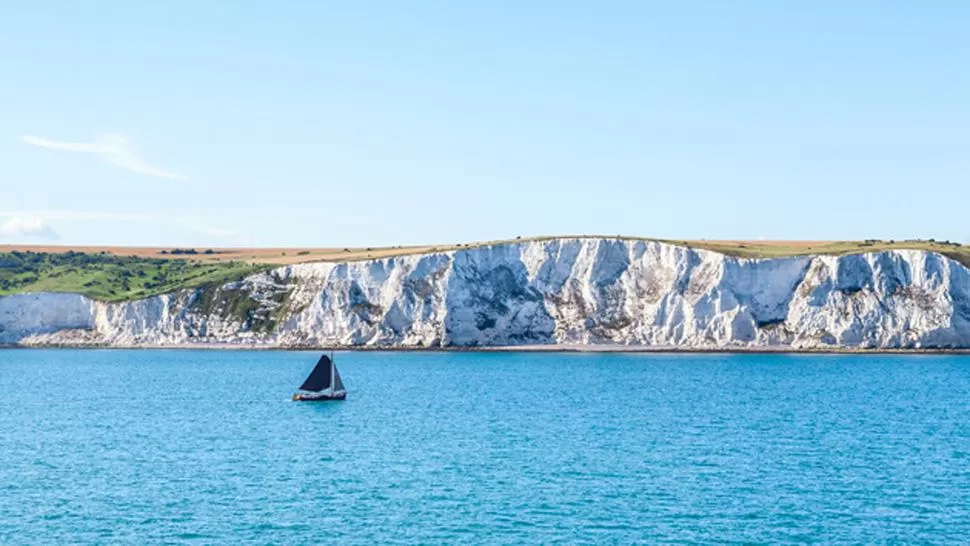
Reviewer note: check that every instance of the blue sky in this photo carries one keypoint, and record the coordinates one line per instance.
(377, 123)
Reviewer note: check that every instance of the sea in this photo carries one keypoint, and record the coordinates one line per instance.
(182, 446)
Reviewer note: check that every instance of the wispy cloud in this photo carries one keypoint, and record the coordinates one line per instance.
(27, 226)
(114, 149)
(196, 224)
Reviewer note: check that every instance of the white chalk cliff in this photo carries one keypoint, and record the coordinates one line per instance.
(561, 291)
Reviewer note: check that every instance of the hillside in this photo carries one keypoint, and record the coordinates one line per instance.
(111, 278)
(591, 292)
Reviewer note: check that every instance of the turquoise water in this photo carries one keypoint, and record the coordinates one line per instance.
(174, 446)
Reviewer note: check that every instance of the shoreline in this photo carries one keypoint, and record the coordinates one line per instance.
(564, 348)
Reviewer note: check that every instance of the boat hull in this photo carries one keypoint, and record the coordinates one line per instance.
(314, 397)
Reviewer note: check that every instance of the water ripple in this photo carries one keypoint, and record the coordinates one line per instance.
(205, 447)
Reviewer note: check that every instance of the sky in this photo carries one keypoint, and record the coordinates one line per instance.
(317, 124)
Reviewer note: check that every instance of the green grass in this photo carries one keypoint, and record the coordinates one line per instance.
(111, 278)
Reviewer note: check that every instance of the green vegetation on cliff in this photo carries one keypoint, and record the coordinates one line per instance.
(109, 277)
(258, 314)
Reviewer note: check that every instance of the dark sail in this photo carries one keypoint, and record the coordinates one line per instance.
(338, 385)
(319, 378)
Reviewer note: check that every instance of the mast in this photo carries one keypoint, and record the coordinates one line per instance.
(333, 375)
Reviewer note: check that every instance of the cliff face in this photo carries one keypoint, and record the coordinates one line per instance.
(565, 291)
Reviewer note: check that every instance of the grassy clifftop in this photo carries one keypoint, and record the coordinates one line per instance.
(109, 277)
(119, 274)
(777, 249)
(782, 249)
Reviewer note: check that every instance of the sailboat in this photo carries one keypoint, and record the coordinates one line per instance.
(322, 384)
